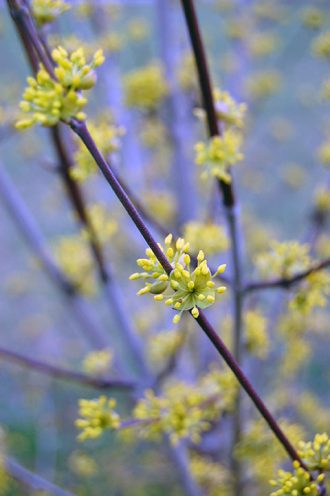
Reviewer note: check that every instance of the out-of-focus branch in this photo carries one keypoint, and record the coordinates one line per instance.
(64, 374)
(31, 480)
(30, 230)
(287, 283)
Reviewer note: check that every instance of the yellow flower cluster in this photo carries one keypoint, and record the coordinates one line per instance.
(323, 153)
(74, 257)
(162, 203)
(96, 416)
(45, 11)
(296, 483)
(82, 464)
(313, 17)
(256, 337)
(229, 112)
(264, 456)
(219, 154)
(316, 454)
(284, 259)
(102, 223)
(321, 46)
(213, 478)
(107, 138)
(322, 199)
(312, 292)
(325, 92)
(98, 362)
(262, 44)
(73, 253)
(163, 345)
(263, 84)
(184, 410)
(209, 237)
(185, 288)
(145, 88)
(48, 100)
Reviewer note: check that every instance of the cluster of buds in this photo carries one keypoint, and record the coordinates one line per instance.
(145, 88)
(96, 416)
(297, 483)
(45, 11)
(49, 100)
(316, 454)
(219, 154)
(186, 288)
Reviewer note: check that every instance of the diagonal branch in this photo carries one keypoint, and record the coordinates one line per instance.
(286, 283)
(64, 374)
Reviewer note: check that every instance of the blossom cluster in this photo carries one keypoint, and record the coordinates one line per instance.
(298, 482)
(186, 287)
(96, 416)
(48, 100)
(145, 88)
(45, 11)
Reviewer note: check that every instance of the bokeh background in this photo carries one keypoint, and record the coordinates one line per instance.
(262, 53)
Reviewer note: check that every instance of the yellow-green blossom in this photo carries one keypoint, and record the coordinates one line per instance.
(45, 11)
(96, 416)
(313, 17)
(209, 237)
(296, 483)
(323, 153)
(214, 478)
(74, 256)
(186, 288)
(312, 292)
(103, 224)
(316, 454)
(145, 88)
(262, 44)
(48, 101)
(185, 410)
(321, 46)
(284, 259)
(163, 345)
(219, 154)
(107, 137)
(98, 362)
(263, 84)
(229, 112)
(82, 464)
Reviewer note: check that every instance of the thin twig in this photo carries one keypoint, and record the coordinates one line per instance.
(64, 374)
(285, 282)
(31, 480)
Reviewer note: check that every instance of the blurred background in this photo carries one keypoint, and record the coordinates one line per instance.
(265, 54)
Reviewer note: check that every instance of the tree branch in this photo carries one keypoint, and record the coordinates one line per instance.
(64, 374)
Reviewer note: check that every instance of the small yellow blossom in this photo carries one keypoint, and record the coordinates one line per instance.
(284, 259)
(209, 237)
(74, 256)
(145, 88)
(297, 483)
(263, 84)
(107, 137)
(214, 478)
(262, 44)
(313, 17)
(321, 46)
(323, 153)
(316, 454)
(185, 288)
(45, 11)
(219, 154)
(104, 226)
(96, 416)
(82, 464)
(98, 362)
(48, 101)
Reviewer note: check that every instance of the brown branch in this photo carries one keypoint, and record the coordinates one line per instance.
(285, 282)
(64, 374)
